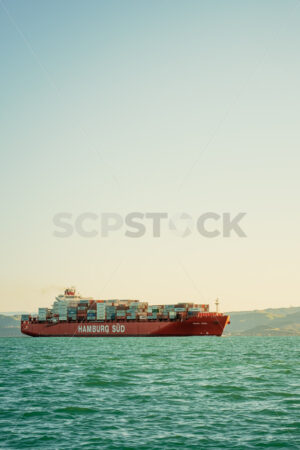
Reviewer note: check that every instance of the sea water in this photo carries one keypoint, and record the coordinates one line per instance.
(150, 393)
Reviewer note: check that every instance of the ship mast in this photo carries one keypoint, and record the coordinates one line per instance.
(217, 305)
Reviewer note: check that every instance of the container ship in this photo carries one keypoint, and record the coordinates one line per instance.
(74, 316)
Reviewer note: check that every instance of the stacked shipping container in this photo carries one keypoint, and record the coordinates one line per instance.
(81, 310)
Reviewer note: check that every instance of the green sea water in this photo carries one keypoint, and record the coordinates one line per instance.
(150, 393)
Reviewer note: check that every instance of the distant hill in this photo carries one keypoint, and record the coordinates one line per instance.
(10, 326)
(265, 322)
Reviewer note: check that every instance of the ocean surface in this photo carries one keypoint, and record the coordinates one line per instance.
(150, 393)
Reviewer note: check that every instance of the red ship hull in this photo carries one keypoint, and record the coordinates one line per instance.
(206, 324)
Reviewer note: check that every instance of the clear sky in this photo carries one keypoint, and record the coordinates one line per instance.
(173, 106)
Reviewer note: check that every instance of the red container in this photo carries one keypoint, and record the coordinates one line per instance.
(93, 306)
(182, 315)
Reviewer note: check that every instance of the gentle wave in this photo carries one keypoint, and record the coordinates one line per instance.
(150, 393)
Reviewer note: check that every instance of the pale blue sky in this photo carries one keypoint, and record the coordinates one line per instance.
(150, 106)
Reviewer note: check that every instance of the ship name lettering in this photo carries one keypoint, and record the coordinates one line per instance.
(94, 329)
(118, 328)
